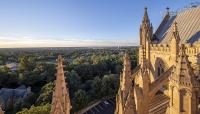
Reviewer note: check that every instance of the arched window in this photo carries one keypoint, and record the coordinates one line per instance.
(172, 92)
(199, 100)
(159, 72)
(160, 66)
(160, 69)
(184, 101)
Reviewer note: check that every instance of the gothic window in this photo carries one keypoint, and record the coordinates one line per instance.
(199, 100)
(159, 72)
(184, 101)
(133, 83)
(181, 101)
(160, 66)
(162, 70)
(172, 96)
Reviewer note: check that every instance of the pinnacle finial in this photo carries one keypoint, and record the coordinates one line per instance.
(145, 18)
(175, 29)
(126, 56)
(145, 8)
(167, 10)
(183, 49)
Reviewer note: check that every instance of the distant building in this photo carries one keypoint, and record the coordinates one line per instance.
(166, 81)
(9, 96)
(12, 66)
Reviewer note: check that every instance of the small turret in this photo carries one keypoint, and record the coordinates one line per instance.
(184, 71)
(146, 29)
(145, 17)
(175, 28)
(175, 42)
(146, 35)
(184, 86)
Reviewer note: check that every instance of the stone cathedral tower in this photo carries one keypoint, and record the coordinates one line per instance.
(167, 79)
(60, 100)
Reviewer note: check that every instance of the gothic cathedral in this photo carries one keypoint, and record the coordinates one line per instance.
(166, 80)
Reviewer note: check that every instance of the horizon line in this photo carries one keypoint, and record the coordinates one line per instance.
(69, 47)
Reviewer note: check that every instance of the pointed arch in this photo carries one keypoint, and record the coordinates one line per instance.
(160, 66)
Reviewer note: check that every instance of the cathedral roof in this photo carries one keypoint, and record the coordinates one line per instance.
(159, 104)
(188, 22)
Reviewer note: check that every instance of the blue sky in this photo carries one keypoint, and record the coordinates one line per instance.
(63, 23)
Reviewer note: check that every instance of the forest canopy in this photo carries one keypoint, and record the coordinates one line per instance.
(91, 74)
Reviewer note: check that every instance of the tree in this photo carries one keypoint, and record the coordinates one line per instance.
(8, 79)
(26, 63)
(80, 99)
(2, 59)
(97, 85)
(6, 69)
(45, 94)
(118, 68)
(78, 61)
(95, 59)
(43, 109)
(73, 80)
(109, 85)
(39, 76)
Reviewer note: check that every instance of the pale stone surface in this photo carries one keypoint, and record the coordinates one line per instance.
(1, 111)
(166, 81)
(60, 100)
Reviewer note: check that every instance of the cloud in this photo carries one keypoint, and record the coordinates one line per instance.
(14, 42)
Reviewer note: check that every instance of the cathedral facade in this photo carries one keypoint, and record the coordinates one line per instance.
(166, 80)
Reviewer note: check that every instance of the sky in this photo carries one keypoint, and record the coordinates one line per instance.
(78, 23)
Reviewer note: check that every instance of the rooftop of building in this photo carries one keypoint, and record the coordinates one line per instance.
(188, 21)
(101, 107)
(6, 93)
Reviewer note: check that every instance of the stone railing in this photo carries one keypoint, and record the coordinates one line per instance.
(160, 47)
(192, 49)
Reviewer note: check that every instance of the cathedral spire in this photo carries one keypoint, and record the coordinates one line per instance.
(125, 103)
(126, 77)
(60, 100)
(146, 36)
(146, 28)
